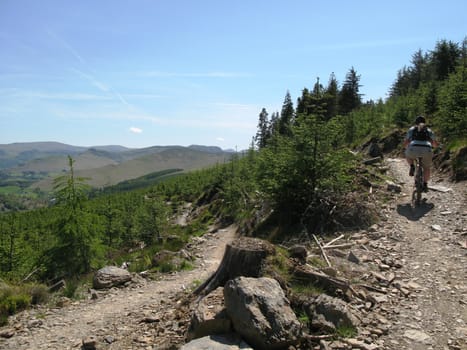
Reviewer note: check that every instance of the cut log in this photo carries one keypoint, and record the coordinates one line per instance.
(242, 257)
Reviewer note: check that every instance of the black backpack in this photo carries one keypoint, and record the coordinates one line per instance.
(420, 133)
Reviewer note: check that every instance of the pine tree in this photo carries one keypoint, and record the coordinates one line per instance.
(331, 96)
(72, 253)
(349, 97)
(287, 115)
(445, 59)
(262, 134)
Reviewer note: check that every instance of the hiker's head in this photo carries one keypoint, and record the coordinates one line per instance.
(420, 120)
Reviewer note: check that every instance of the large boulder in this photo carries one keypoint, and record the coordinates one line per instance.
(217, 342)
(261, 313)
(110, 276)
(328, 313)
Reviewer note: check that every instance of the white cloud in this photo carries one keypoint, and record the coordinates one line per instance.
(136, 130)
(221, 139)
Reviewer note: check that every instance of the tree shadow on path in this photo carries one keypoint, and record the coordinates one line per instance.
(414, 213)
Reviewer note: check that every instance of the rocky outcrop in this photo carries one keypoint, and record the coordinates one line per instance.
(260, 312)
(110, 276)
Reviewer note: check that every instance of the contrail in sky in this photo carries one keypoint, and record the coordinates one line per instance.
(65, 45)
(101, 86)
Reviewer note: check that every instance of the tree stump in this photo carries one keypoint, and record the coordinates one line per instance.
(243, 257)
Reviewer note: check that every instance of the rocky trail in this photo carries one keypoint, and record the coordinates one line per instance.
(412, 264)
(430, 242)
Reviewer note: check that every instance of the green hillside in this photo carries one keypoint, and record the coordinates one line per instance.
(163, 159)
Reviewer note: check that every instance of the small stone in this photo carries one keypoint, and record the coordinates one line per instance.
(417, 336)
(353, 258)
(377, 298)
(384, 267)
(436, 228)
(89, 343)
(109, 339)
(414, 286)
(7, 333)
(94, 295)
(361, 345)
(150, 319)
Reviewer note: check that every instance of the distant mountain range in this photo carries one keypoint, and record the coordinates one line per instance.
(40, 162)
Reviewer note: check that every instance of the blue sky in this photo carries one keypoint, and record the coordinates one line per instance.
(179, 72)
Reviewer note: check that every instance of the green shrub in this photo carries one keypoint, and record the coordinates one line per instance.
(306, 288)
(3, 315)
(167, 266)
(14, 299)
(346, 331)
(186, 265)
(39, 294)
(70, 289)
(14, 303)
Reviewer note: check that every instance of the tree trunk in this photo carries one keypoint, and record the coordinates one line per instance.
(242, 257)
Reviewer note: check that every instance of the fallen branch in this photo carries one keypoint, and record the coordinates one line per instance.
(373, 289)
(322, 251)
(313, 337)
(346, 245)
(306, 272)
(28, 276)
(334, 240)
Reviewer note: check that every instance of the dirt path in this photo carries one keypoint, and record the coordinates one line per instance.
(431, 244)
(121, 318)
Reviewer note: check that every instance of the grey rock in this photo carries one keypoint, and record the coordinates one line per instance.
(110, 276)
(353, 258)
(298, 252)
(330, 313)
(7, 333)
(217, 342)
(357, 344)
(417, 336)
(261, 313)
